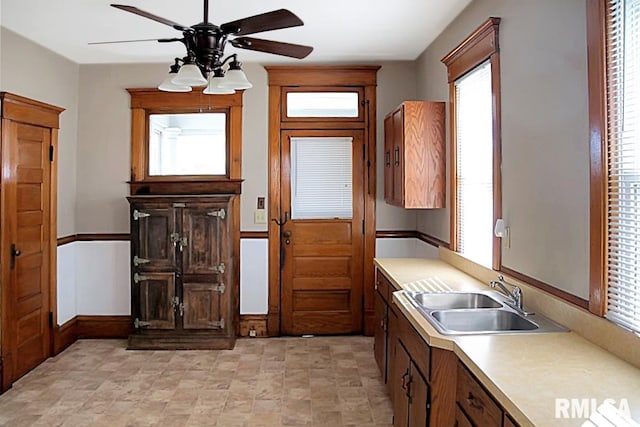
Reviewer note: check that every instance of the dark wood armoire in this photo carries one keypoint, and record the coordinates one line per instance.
(181, 272)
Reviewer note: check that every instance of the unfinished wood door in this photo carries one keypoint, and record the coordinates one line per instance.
(155, 302)
(202, 305)
(204, 230)
(26, 237)
(322, 241)
(155, 239)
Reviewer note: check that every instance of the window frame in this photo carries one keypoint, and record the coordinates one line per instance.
(597, 15)
(479, 47)
(145, 102)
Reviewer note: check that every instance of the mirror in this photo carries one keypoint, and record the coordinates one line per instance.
(187, 144)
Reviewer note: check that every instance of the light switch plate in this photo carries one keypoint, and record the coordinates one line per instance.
(260, 216)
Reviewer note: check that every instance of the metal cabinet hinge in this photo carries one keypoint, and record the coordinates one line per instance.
(137, 260)
(219, 213)
(220, 268)
(137, 278)
(219, 287)
(138, 214)
(217, 324)
(137, 323)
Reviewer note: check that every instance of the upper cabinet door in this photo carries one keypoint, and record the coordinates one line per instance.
(414, 141)
(154, 237)
(388, 159)
(205, 231)
(398, 156)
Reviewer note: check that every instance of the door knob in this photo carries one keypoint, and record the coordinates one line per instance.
(287, 234)
(15, 252)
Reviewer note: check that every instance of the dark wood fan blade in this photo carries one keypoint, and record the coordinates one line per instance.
(139, 40)
(264, 22)
(151, 16)
(269, 46)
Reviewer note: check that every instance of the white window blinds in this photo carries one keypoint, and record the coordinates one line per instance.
(321, 178)
(623, 152)
(474, 168)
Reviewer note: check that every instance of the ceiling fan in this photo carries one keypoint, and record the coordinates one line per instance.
(205, 43)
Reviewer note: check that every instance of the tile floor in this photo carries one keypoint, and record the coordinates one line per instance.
(321, 381)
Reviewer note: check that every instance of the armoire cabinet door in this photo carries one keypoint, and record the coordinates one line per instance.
(155, 246)
(156, 300)
(205, 231)
(202, 304)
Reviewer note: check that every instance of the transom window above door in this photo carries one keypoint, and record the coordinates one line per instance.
(322, 104)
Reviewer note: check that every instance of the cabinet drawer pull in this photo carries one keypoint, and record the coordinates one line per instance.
(387, 159)
(474, 402)
(404, 379)
(396, 156)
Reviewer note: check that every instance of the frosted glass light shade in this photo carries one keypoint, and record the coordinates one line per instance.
(189, 75)
(168, 86)
(235, 79)
(214, 88)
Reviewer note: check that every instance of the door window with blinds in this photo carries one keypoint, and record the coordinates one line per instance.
(474, 164)
(321, 178)
(622, 149)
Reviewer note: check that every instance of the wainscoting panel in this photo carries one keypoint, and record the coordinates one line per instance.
(94, 282)
(103, 278)
(254, 283)
(396, 247)
(66, 283)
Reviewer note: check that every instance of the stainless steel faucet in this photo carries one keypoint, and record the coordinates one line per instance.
(515, 294)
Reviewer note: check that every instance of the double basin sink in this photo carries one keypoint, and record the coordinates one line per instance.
(472, 313)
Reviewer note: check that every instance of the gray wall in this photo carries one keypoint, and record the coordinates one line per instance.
(30, 70)
(545, 145)
(104, 142)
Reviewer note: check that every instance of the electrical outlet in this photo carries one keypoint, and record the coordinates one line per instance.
(252, 333)
(260, 216)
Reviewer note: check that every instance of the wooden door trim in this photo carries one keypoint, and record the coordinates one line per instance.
(18, 109)
(315, 76)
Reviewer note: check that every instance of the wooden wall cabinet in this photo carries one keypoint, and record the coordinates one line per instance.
(182, 272)
(414, 155)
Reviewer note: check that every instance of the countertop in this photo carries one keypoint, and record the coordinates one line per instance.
(533, 376)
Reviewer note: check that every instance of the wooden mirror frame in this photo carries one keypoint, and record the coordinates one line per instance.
(148, 101)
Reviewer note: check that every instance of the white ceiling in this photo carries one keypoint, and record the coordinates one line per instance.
(339, 30)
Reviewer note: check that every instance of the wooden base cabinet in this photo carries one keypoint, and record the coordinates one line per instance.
(428, 386)
(182, 272)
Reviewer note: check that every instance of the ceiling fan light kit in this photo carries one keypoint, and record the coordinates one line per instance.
(167, 84)
(214, 87)
(189, 75)
(205, 44)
